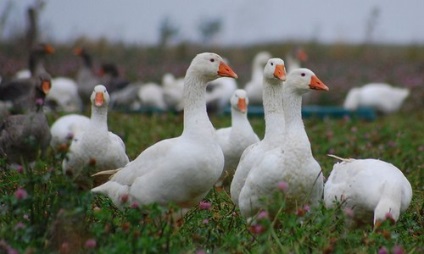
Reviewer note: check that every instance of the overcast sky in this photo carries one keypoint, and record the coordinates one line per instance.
(243, 21)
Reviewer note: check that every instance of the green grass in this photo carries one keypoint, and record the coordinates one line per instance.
(57, 218)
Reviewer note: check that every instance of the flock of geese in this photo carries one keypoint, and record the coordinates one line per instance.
(182, 170)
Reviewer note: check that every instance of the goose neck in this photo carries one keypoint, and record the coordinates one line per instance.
(195, 116)
(99, 117)
(273, 110)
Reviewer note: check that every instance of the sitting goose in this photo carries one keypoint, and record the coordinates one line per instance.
(23, 136)
(96, 146)
(375, 190)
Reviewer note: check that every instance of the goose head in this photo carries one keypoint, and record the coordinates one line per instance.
(275, 70)
(100, 97)
(304, 80)
(210, 66)
(239, 100)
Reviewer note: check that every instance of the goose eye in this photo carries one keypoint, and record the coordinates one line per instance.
(303, 74)
(272, 64)
(212, 60)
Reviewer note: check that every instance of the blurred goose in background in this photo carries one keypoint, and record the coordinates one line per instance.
(235, 139)
(23, 137)
(65, 128)
(64, 96)
(179, 170)
(111, 78)
(373, 189)
(151, 96)
(36, 60)
(173, 91)
(291, 163)
(254, 86)
(273, 76)
(18, 95)
(96, 147)
(86, 77)
(127, 98)
(382, 97)
(295, 58)
(218, 97)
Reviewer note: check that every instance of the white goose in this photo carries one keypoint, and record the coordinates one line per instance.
(380, 96)
(173, 92)
(96, 145)
(292, 162)
(65, 128)
(273, 76)
(254, 86)
(235, 139)
(375, 190)
(180, 170)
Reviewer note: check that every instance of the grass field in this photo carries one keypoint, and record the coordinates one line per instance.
(41, 211)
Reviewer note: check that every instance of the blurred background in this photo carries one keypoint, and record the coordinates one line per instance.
(348, 43)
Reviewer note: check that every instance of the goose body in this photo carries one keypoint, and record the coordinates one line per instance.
(65, 128)
(380, 96)
(151, 95)
(235, 139)
(273, 77)
(64, 95)
(23, 137)
(254, 86)
(173, 92)
(183, 169)
(375, 190)
(96, 146)
(292, 162)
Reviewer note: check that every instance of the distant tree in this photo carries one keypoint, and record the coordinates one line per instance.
(167, 31)
(209, 29)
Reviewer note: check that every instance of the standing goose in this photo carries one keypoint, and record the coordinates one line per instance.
(235, 139)
(179, 170)
(254, 86)
(273, 76)
(375, 190)
(23, 136)
(96, 146)
(292, 162)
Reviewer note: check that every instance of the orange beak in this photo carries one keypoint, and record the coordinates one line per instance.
(99, 99)
(317, 84)
(45, 86)
(225, 71)
(280, 72)
(49, 49)
(241, 104)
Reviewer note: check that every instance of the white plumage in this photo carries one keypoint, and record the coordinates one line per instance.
(254, 86)
(96, 146)
(380, 96)
(179, 170)
(65, 128)
(273, 76)
(235, 139)
(375, 190)
(292, 162)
